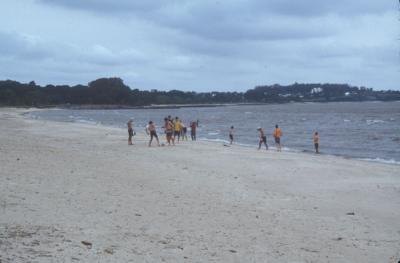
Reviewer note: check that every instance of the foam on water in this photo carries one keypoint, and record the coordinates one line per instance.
(255, 145)
(380, 160)
(87, 122)
(226, 142)
(369, 122)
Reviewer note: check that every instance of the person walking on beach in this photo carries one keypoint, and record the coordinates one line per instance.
(263, 138)
(231, 131)
(151, 129)
(193, 127)
(177, 128)
(277, 136)
(169, 129)
(316, 142)
(130, 131)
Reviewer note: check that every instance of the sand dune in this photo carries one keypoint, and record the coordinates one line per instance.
(78, 193)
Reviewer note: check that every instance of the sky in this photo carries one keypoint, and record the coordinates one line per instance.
(201, 45)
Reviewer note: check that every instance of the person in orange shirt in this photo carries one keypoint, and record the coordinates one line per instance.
(277, 136)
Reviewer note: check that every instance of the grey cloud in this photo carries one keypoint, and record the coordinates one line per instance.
(107, 6)
(218, 7)
(21, 46)
(210, 19)
(270, 28)
(30, 47)
(201, 45)
(319, 8)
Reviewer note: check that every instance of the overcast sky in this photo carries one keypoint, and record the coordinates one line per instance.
(201, 45)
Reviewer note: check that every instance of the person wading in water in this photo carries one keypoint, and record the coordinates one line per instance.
(263, 138)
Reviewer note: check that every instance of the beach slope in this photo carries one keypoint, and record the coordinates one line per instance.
(78, 193)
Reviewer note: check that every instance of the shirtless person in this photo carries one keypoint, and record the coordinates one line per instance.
(168, 128)
(231, 131)
(193, 127)
(277, 136)
(130, 131)
(263, 139)
(153, 134)
(316, 142)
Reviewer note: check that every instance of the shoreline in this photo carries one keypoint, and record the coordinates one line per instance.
(177, 106)
(239, 144)
(78, 192)
(212, 142)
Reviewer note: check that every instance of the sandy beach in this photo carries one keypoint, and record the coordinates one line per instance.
(78, 193)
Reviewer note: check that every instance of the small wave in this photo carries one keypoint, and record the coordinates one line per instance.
(255, 145)
(380, 160)
(369, 122)
(213, 133)
(287, 149)
(87, 122)
(346, 120)
(248, 112)
(227, 142)
(214, 140)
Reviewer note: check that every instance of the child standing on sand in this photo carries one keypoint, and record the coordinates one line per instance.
(151, 128)
(231, 131)
(277, 136)
(316, 142)
(263, 138)
(130, 131)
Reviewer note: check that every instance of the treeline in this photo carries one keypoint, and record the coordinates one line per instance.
(113, 91)
(317, 93)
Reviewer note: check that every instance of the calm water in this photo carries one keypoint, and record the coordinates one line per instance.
(368, 130)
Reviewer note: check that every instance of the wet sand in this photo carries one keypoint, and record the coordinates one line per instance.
(64, 183)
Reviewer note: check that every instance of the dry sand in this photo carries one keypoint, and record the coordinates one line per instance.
(64, 183)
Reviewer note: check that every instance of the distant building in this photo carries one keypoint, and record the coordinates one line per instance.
(316, 90)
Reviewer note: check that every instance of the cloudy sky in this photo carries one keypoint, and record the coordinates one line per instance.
(201, 45)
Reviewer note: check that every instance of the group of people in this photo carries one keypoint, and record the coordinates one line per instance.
(262, 137)
(277, 134)
(175, 130)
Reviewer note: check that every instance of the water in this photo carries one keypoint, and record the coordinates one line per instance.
(365, 130)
